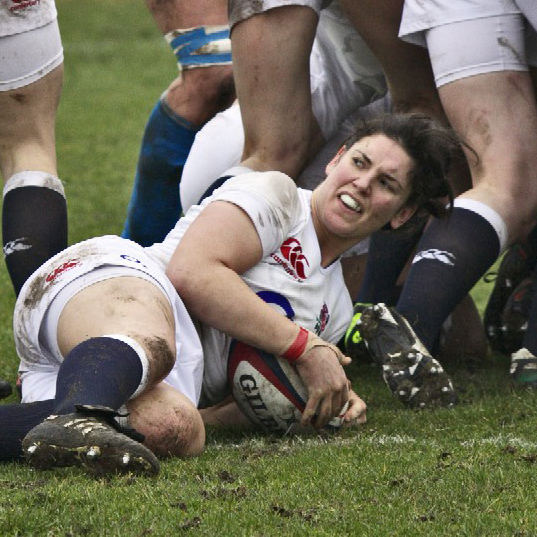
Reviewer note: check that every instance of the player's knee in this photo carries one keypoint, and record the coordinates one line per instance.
(172, 426)
(181, 434)
(189, 433)
(288, 155)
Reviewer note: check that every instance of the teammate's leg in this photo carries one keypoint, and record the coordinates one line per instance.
(204, 87)
(34, 218)
(34, 212)
(271, 52)
(502, 205)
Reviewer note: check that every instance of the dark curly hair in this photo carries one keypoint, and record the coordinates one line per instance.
(431, 146)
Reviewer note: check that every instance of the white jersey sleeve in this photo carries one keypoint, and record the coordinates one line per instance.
(271, 201)
(269, 198)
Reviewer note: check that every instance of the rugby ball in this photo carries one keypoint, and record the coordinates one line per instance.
(269, 391)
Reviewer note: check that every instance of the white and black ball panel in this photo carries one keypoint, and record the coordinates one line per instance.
(266, 388)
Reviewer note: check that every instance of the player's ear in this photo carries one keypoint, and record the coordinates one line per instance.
(335, 160)
(402, 215)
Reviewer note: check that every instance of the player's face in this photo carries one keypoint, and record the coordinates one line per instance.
(366, 187)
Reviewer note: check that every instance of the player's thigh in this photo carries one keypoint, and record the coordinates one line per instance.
(271, 67)
(169, 421)
(495, 113)
(271, 54)
(487, 92)
(182, 14)
(29, 112)
(125, 305)
(407, 67)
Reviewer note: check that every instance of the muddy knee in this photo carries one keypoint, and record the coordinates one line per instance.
(171, 424)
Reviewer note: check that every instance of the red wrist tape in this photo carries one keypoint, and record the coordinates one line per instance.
(295, 351)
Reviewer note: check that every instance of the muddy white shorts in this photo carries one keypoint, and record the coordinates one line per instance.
(471, 37)
(29, 56)
(46, 292)
(17, 16)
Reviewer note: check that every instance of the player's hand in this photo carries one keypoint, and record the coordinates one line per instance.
(356, 413)
(327, 384)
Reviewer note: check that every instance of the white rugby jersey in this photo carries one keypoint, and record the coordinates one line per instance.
(18, 16)
(289, 276)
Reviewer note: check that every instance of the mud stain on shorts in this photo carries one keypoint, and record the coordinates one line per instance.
(162, 356)
(503, 42)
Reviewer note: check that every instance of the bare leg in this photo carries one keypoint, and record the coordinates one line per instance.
(34, 212)
(271, 65)
(34, 220)
(118, 339)
(190, 101)
(203, 92)
(481, 108)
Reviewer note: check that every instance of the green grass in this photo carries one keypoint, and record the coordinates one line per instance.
(468, 471)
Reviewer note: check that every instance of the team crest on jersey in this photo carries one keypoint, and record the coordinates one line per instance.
(322, 320)
(292, 259)
(61, 269)
(23, 4)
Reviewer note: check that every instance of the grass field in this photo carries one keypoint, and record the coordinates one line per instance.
(467, 471)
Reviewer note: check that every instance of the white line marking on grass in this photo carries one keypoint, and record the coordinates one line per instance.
(500, 440)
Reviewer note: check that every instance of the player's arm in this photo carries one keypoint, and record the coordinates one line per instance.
(221, 244)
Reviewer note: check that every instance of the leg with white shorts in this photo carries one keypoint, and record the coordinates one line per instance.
(115, 340)
(412, 88)
(138, 310)
(34, 221)
(34, 211)
(488, 97)
(271, 51)
(197, 33)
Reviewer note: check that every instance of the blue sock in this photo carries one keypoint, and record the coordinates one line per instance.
(99, 371)
(155, 206)
(387, 255)
(451, 257)
(16, 421)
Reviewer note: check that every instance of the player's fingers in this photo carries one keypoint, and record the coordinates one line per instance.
(325, 412)
(341, 396)
(339, 400)
(311, 409)
(356, 413)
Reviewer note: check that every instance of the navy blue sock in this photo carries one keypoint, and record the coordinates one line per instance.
(386, 257)
(155, 205)
(451, 257)
(34, 228)
(99, 371)
(15, 423)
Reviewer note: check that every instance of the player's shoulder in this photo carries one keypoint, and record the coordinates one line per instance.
(274, 186)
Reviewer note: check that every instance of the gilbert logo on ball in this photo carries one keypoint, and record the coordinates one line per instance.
(269, 390)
